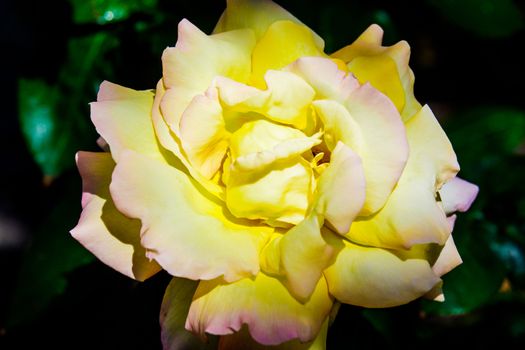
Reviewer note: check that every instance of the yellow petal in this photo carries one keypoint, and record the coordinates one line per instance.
(283, 43)
(190, 66)
(305, 251)
(286, 99)
(341, 189)
(102, 229)
(364, 119)
(171, 142)
(339, 126)
(381, 72)
(263, 303)
(203, 133)
(281, 192)
(123, 119)
(290, 98)
(268, 179)
(385, 149)
(301, 255)
(386, 68)
(109, 91)
(257, 15)
(183, 228)
(411, 214)
(448, 258)
(325, 77)
(374, 277)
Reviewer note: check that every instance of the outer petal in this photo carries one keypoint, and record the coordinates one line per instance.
(283, 43)
(123, 118)
(263, 303)
(366, 57)
(374, 277)
(411, 214)
(385, 149)
(173, 312)
(102, 229)
(190, 66)
(458, 195)
(109, 91)
(448, 258)
(243, 341)
(257, 15)
(184, 228)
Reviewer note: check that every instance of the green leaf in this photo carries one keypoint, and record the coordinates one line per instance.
(482, 136)
(487, 18)
(55, 117)
(52, 254)
(105, 11)
(48, 143)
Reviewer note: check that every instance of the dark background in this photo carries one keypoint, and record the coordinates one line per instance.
(468, 64)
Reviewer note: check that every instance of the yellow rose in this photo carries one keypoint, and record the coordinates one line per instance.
(281, 178)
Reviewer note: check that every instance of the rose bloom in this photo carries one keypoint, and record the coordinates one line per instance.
(273, 181)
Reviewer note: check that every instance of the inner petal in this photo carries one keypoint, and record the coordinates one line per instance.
(268, 177)
(277, 195)
(260, 135)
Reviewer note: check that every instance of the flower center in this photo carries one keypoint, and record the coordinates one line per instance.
(266, 175)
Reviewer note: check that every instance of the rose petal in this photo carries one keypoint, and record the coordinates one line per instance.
(385, 149)
(301, 255)
(324, 76)
(448, 259)
(411, 215)
(305, 251)
(125, 123)
(190, 66)
(339, 126)
(458, 195)
(243, 341)
(372, 57)
(203, 133)
(263, 303)
(102, 229)
(173, 312)
(290, 98)
(259, 144)
(257, 15)
(271, 190)
(183, 228)
(109, 91)
(375, 277)
(172, 143)
(381, 72)
(286, 100)
(341, 189)
(283, 43)
(279, 193)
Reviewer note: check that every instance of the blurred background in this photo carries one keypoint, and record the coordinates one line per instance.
(469, 68)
